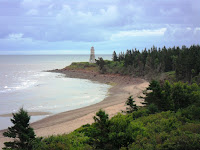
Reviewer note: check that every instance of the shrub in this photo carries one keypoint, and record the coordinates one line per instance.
(152, 108)
(70, 141)
(117, 130)
(184, 141)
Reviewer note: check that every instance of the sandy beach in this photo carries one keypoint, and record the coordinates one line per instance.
(66, 122)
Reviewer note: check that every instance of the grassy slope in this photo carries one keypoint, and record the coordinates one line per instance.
(83, 65)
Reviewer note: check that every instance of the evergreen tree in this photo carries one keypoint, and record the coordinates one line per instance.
(21, 132)
(184, 62)
(114, 58)
(172, 96)
(132, 107)
(101, 129)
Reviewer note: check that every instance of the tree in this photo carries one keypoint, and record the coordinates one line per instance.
(114, 58)
(132, 107)
(100, 134)
(21, 132)
(101, 64)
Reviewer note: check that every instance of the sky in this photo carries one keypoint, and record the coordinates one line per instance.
(73, 26)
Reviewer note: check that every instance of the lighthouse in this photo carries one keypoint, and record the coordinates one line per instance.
(92, 56)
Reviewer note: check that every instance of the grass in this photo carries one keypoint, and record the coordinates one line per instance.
(83, 65)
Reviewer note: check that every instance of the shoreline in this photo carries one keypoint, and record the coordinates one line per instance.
(66, 122)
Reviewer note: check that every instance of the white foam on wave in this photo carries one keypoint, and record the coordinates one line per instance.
(41, 74)
(25, 82)
(21, 86)
(44, 107)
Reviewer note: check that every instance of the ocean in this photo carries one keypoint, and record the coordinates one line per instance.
(24, 83)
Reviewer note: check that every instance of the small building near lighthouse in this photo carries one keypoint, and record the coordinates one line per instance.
(92, 56)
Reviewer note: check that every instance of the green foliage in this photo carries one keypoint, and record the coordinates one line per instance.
(100, 129)
(131, 106)
(21, 132)
(114, 67)
(100, 62)
(114, 57)
(183, 141)
(71, 141)
(134, 129)
(188, 63)
(140, 113)
(180, 63)
(83, 65)
(117, 131)
(172, 96)
(191, 113)
(101, 118)
(139, 130)
(153, 108)
(166, 131)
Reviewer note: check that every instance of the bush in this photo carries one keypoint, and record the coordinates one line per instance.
(71, 141)
(191, 113)
(152, 108)
(117, 130)
(184, 141)
(140, 113)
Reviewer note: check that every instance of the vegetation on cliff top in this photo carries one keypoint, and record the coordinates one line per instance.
(178, 63)
(83, 66)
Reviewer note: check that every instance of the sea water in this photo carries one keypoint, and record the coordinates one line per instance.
(24, 83)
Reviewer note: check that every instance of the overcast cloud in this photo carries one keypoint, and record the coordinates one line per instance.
(64, 26)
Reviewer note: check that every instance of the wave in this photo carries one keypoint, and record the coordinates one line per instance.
(19, 82)
(65, 107)
(21, 86)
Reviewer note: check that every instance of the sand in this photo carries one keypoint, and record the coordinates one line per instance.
(66, 122)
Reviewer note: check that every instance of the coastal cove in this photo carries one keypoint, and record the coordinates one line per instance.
(65, 122)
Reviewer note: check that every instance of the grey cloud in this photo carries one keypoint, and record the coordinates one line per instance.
(89, 20)
(183, 34)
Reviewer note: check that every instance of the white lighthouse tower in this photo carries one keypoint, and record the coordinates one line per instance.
(92, 56)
